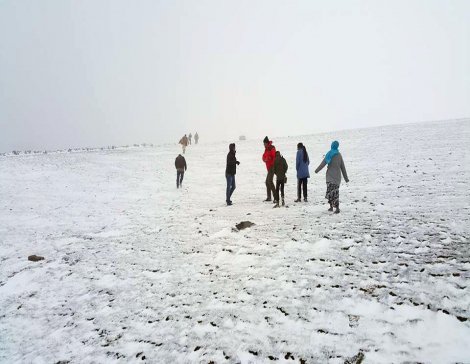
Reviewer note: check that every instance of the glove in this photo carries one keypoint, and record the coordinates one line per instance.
(347, 180)
(238, 163)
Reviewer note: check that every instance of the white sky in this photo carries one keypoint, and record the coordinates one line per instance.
(93, 73)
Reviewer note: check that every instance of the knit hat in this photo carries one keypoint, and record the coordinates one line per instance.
(265, 140)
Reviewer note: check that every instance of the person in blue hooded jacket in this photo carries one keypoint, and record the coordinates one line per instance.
(336, 167)
(301, 164)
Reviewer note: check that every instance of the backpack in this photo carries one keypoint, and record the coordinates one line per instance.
(284, 164)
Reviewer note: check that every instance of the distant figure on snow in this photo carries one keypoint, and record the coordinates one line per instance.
(335, 163)
(180, 164)
(184, 142)
(301, 165)
(196, 138)
(280, 169)
(230, 172)
(268, 158)
(190, 136)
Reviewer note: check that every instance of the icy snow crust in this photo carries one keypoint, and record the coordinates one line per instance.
(136, 270)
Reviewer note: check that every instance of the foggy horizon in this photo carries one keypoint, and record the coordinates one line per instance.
(91, 74)
(234, 139)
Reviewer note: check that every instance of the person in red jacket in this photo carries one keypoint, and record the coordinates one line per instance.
(269, 156)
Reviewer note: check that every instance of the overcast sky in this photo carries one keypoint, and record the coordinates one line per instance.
(93, 73)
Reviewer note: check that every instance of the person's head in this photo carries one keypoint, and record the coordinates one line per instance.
(266, 141)
(278, 153)
(335, 145)
(300, 146)
(231, 147)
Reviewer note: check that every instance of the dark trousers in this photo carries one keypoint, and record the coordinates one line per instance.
(179, 178)
(302, 185)
(270, 184)
(279, 186)
(230, 186)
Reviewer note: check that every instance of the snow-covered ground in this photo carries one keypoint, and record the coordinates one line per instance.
(136, 270)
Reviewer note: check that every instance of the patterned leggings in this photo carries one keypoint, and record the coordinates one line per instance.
(332, 194)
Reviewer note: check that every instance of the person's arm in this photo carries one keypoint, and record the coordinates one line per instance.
(285, 165)
(297, 161)
(343, 170)
(231, 160)
(320, 167)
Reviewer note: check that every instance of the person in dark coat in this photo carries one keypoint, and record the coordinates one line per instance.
(196, 138)
(181, 166)
(280, 169)
(268, 158)
(336, 167)
(190, 136)
(301, 165)
(230, 172)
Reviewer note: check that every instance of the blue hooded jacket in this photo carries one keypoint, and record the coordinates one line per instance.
(301, 166)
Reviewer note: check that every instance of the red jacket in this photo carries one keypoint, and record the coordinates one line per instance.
(269, 155)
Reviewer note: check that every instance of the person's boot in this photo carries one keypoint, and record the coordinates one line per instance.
(283, 203)
(337, 211)
(331, 208)
(305, 199)
(268, 199)
(276, 204)
(298, 200)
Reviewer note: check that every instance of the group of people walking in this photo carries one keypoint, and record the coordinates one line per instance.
(276, 165)
(187, 140)
(180, 161)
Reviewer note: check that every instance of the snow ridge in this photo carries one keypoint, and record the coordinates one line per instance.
(136, 270)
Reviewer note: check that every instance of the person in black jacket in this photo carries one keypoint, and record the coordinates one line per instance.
(180, 164)
(230, 172)
(280, 169)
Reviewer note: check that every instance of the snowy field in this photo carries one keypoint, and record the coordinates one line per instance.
(138, 271)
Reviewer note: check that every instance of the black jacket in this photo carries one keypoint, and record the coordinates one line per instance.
(231, 163)
(280, 166)
(180, 162)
